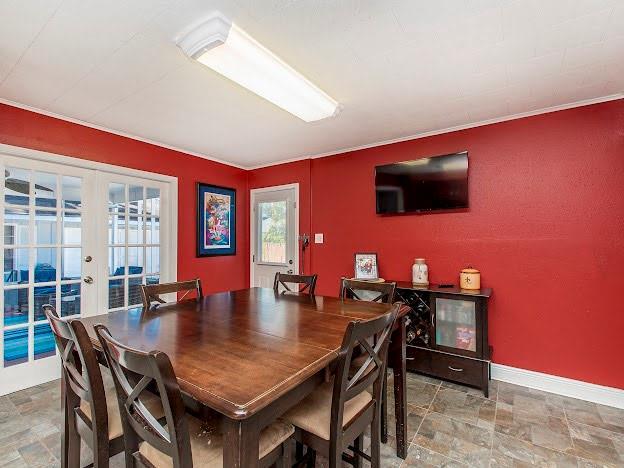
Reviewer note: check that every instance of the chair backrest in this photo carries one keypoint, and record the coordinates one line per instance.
(350, 380)
(151, 292)
(305, 283)
(133, 371)
(349, 288)
(81, 370)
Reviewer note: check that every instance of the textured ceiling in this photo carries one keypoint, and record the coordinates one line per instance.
(398, 67)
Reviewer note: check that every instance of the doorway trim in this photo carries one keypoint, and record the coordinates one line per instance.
(252, 199)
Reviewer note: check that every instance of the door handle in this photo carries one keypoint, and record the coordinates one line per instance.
(88, 258)
(88, 280)
(290, 262)
(290, 272)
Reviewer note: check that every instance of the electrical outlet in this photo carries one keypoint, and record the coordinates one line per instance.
(318, 238)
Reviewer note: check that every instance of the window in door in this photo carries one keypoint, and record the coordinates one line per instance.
(42, 259)
(272, 232)
(134, 246)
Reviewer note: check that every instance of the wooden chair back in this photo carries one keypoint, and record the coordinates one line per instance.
(133, 371)
(151, 292)
(81, 380)
(351, 380)
(349, 288)
(305, 283)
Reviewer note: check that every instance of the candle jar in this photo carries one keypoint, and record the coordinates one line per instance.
(420, 273)
(470, 279)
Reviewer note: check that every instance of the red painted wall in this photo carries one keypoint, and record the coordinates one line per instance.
(545, 227)
(31, 130)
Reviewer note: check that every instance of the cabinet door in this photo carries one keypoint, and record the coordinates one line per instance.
(457, 325)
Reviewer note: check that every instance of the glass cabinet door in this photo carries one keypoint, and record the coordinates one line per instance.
(456, 324)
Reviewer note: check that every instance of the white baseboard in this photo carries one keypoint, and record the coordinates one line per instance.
(560, 385)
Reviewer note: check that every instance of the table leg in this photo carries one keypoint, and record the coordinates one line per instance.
(397, 362)
(240, 446)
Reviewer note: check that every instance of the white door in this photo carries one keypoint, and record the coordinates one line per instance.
(81, 239)
(136, 239)
(48, 233)
(274, 233)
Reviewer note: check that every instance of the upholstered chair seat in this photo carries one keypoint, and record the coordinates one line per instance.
(313, 414)
(207, 444)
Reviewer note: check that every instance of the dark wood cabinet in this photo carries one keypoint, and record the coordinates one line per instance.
(447, 333)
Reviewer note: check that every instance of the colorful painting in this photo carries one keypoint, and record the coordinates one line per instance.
(216, 220)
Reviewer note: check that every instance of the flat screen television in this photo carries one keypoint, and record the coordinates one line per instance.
(422, 185)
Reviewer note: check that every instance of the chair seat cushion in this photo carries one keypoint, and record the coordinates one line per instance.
(207, 444)
(115, 429)
(313, 414)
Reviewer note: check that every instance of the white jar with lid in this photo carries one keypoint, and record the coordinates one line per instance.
(420, 273)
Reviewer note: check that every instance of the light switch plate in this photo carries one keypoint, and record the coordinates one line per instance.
(318, 238)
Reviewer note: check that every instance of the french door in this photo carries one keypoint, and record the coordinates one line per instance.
(134, 248)
(83, 240)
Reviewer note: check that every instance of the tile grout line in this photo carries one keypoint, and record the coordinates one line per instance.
(619, 434)
(421, 421)
(429, 411)
(567, 421)
(531, 443)
(493, 427)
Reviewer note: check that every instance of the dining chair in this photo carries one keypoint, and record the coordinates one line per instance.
(305, 283)
(182, 441)
(349, 289)
(384, 293)
(335, 416)
(151, 292)
(89, 403)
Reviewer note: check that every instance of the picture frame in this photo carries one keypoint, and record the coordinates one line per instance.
(216, 220)
(365, 266)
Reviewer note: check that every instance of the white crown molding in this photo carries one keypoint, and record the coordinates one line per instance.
(545, 110)
(116, 132)
(600, 394)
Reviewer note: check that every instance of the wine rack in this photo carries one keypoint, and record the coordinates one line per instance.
(419, 325)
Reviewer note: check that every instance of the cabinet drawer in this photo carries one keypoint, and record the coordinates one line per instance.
(446, 366)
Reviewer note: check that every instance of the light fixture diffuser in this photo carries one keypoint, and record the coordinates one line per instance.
(228, 50)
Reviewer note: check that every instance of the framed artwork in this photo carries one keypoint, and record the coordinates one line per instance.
(216, 220)
(366, 266)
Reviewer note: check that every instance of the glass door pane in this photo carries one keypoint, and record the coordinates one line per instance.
(455, 324)
(272, 232)
(43, 235)
(133, 242)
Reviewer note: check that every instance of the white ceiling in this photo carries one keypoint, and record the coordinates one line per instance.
(399, 67)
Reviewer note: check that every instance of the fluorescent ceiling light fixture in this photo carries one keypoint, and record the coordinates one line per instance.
(228, 50)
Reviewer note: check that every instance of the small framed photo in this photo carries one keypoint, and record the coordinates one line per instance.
(366, 266)
(216, 220)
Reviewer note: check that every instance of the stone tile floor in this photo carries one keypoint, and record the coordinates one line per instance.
(448, 425)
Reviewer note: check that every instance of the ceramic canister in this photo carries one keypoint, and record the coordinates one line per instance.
(420, 272)
(469, 278)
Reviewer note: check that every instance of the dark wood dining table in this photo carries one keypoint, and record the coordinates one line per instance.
(251, 354)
